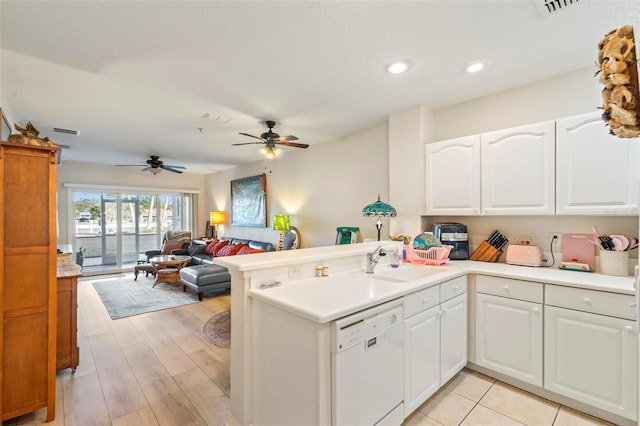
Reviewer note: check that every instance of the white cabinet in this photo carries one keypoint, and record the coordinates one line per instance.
(509, 327)
(591, 357)
(453, 337)
(506, 172)
(518, 170)
(596, 172)
(453, 176)
(435, 339)
(422, 358)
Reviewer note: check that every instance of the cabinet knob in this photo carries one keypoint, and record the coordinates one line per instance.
(587, 301)
(536, 310)
(506, 288)
(629, 328)
(633, 304)
(394, 318)
(425, 301)
(444, 311)
(455, 288)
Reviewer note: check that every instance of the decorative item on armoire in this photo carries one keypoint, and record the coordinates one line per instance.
(29, 136)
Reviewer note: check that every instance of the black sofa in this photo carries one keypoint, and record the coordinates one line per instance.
(202, 274)
(199, 257)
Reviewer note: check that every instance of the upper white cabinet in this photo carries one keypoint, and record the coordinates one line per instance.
(518, 170)
(453, 176)
(596, 173)
(568, 166)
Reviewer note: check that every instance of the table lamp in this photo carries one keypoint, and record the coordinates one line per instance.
(281, 223)
(379, 209)
(216, 218)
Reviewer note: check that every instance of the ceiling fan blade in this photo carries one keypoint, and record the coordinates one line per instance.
(174, 167)
(247, 143)
(251, 136)
(286, 138)
(171, 168)
(296, 145)
(129, 165)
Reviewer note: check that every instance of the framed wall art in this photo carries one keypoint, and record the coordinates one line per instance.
(249, 201)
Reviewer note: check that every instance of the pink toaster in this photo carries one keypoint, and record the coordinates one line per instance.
(524, 255)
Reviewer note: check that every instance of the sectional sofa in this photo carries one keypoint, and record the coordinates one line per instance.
(203, 275)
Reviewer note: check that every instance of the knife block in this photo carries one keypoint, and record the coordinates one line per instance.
(486, 253)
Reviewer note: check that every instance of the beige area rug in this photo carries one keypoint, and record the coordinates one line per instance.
(217, 329)
(124, 297)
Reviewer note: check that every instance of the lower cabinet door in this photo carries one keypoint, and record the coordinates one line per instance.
(592, 358)
(453, 337)
(421, 358)
(509, 337)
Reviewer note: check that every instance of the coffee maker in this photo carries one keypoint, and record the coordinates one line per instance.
(453, 234)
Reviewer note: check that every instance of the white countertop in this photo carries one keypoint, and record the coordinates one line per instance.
(326, 299)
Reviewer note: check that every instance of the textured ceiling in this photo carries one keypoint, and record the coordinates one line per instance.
(135, 78)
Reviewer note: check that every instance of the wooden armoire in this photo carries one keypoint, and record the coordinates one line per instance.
(27, 278)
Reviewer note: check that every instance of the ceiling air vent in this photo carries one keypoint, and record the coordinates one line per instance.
(549, 7)
(67, 131)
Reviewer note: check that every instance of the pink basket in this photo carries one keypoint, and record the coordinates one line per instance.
(432, 256)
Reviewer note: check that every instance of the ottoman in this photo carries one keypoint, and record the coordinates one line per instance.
(202, 278)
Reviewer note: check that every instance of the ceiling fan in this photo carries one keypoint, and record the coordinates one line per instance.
(155, 166)
(271, 139)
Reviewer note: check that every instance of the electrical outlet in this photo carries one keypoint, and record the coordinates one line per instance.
(295, 271)
(556, 239)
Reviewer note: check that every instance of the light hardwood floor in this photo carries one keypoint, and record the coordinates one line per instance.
(150, 369)
(156, 369)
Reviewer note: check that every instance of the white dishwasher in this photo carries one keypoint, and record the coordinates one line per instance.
(367, 355)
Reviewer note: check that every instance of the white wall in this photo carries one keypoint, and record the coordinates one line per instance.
(92, 174)
(408, 131)
(321, 187)
(569, 94)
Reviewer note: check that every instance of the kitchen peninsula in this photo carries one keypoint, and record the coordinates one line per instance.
(293, 313)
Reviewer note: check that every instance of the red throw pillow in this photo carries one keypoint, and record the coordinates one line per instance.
(211, 246)
(167, 247)
(218, 246)
(230, 250)
(249, 250)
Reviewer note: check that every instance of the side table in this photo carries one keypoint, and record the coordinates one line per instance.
(167, 268)
(67, 351)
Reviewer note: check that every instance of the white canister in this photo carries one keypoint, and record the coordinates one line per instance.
(614, 263)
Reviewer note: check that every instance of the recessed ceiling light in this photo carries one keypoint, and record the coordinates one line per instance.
(397, 67)
(477, 66)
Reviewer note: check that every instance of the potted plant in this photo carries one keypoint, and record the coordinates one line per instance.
(80, 255)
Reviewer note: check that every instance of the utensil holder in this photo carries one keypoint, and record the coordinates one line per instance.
(614, 263)
(486, 253)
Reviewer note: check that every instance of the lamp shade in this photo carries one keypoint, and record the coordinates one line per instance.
(216, 217)
(378, 208)
(281, 222)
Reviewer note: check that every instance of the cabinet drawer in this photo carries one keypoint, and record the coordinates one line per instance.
(514, 289)
(420, 301)
(452, 288)
(598, 302)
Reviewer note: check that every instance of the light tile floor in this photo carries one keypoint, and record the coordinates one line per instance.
(472, 399)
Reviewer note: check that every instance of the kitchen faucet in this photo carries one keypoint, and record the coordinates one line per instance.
(373, 257)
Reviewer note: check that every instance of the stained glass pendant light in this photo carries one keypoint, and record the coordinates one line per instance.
(379, 209)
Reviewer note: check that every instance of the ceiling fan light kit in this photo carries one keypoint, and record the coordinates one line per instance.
(270, 140)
